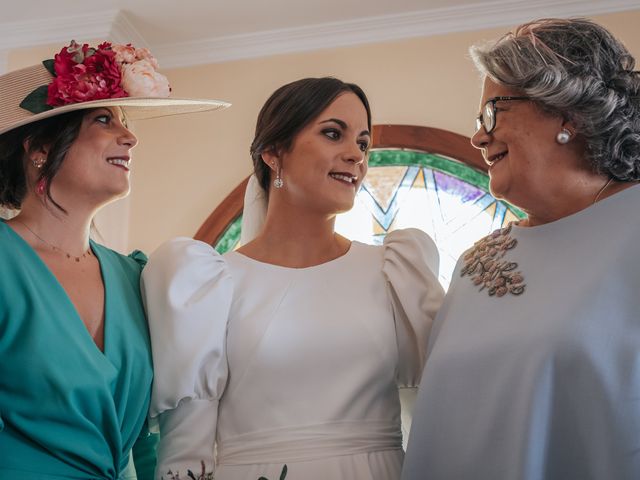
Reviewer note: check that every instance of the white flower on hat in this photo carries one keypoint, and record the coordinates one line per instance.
(124, 53)
(145, 54)
(140, 79)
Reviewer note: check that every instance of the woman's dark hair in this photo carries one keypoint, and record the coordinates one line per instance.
(289, 110)
(56, 134)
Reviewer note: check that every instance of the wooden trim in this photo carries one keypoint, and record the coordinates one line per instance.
(225, 213)
(425, 139)
(428, 139)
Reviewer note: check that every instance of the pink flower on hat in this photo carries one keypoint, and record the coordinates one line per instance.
(130, 54)
(124, 53)
(140, 79)
(145, 54)
(83, 74)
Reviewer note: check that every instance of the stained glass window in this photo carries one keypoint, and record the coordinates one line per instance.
(443, 197)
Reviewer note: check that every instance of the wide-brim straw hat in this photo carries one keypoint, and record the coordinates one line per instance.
(17, 85)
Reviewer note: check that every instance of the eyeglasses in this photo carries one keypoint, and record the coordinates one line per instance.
(487, 117)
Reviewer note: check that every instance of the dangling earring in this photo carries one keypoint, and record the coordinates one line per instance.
(41, 186)
(38, 162)
(563, 136)
(278, 182)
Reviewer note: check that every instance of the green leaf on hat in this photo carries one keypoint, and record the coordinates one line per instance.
(48, 64)
(36, 101)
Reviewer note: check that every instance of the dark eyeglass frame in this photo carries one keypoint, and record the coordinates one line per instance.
(489, 113)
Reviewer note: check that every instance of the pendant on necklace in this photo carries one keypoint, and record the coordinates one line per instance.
(69, 256)
(485, 265)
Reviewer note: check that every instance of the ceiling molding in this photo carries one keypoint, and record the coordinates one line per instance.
(56, 30)
(117, 26)
(124, 31)
(112, 25)
(379, 29)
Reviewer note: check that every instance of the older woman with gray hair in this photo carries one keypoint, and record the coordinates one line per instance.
(533, 368)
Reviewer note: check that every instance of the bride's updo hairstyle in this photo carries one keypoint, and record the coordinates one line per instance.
(289, 110)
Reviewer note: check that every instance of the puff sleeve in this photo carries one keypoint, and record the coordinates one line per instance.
(187, 291)
(411, 262)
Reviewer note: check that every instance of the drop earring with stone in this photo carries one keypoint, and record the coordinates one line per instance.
(278, 182)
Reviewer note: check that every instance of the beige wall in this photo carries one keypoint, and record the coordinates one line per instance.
(184, 166)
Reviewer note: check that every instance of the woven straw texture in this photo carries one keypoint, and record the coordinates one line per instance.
(16, 85)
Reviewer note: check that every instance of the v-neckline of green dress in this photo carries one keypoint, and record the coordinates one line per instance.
(65, 296)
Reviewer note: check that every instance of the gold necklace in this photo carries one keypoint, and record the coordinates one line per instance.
(601, 191)
(88, 253)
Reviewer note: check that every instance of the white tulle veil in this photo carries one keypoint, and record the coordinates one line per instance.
(255, 211)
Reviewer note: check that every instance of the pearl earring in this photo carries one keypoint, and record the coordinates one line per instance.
(563, 136)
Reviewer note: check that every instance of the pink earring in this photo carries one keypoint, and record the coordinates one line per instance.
(41, 186)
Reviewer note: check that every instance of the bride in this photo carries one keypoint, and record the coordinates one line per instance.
(291, 350)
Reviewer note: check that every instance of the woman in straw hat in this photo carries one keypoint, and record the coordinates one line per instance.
(75, 360)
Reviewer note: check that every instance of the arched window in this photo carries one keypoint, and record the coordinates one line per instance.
(418, 177)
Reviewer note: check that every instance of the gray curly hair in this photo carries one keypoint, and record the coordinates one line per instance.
(577, 69)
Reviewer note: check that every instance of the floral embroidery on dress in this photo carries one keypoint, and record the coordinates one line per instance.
(485, 265)
(204, 475)
(283, 474)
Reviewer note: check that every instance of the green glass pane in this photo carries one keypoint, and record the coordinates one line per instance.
(230, 237)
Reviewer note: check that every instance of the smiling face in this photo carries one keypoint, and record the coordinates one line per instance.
(96, 167)
(521, 151)
(327, 161)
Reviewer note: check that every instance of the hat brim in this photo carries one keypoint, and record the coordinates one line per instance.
(135, 108)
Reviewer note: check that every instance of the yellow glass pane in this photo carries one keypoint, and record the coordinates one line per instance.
(383, 182)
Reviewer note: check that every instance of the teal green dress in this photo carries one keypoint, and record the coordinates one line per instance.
(68, 410)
